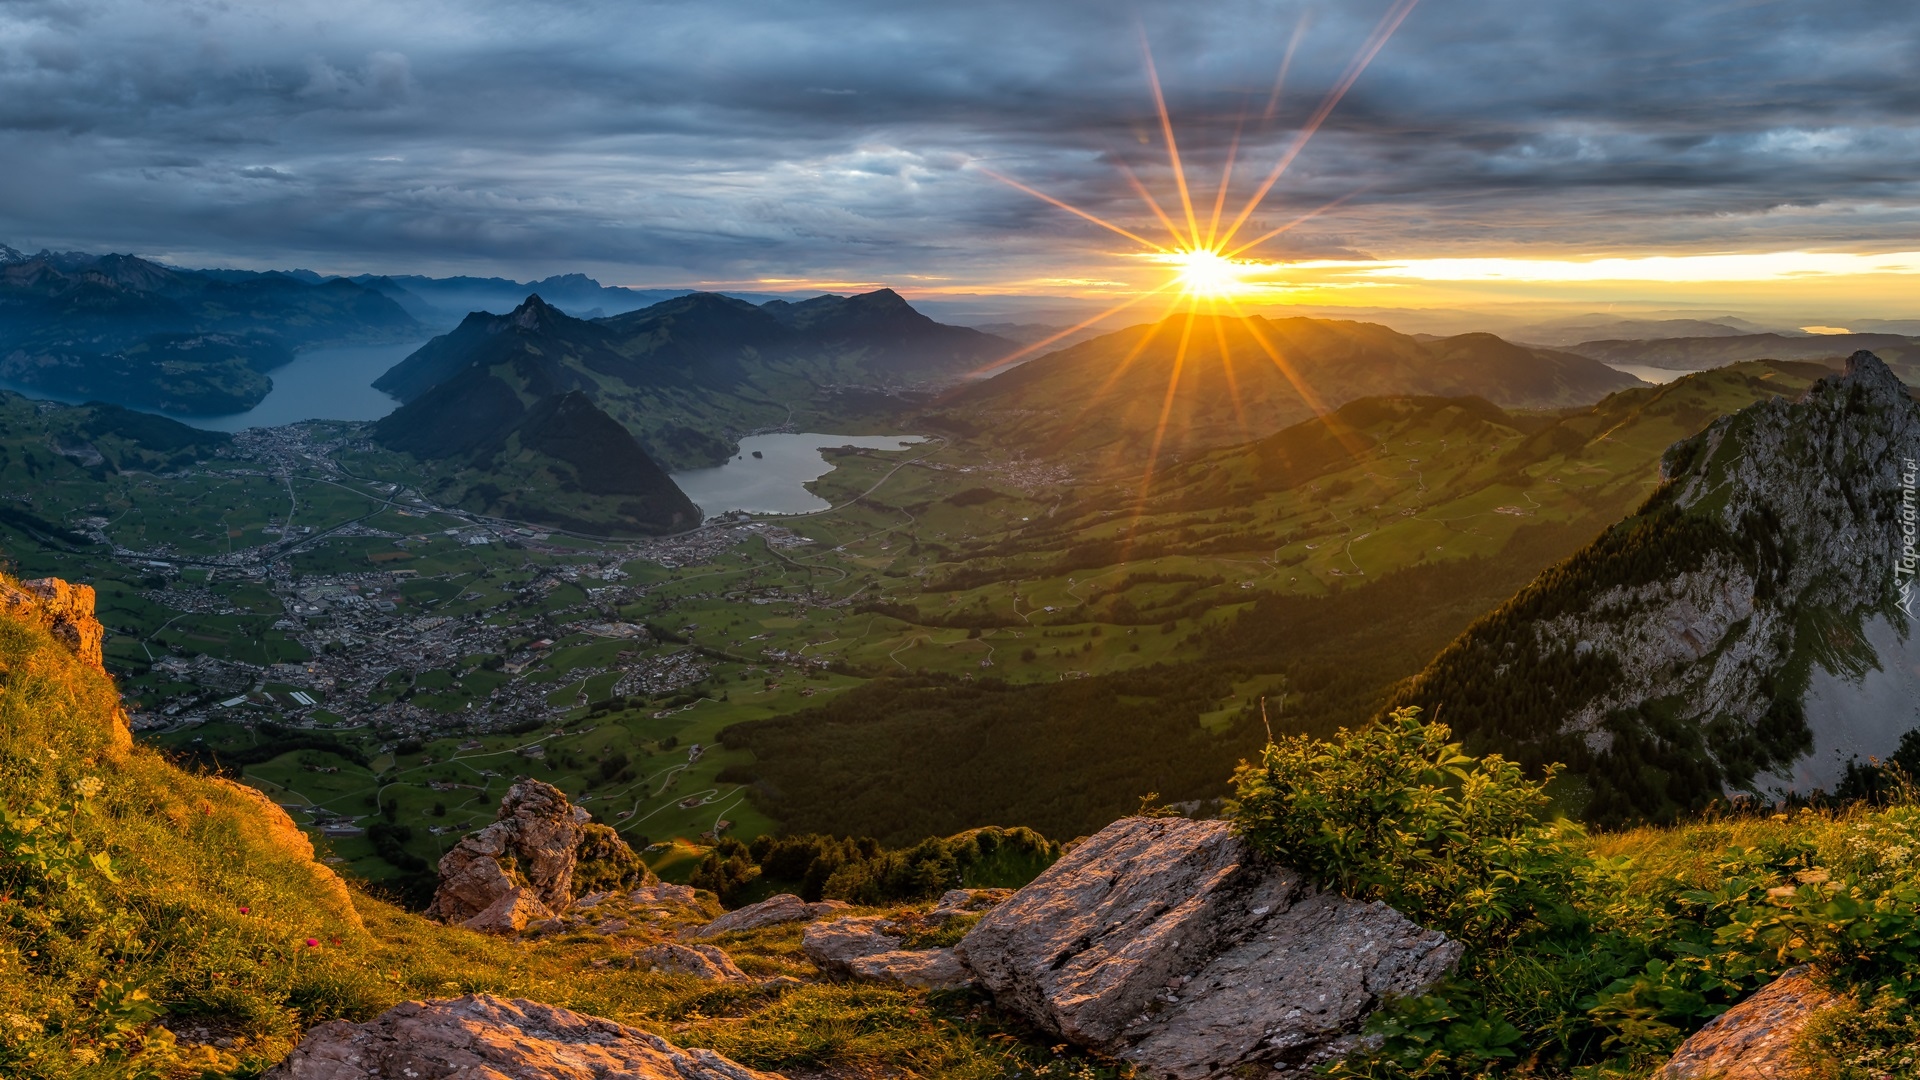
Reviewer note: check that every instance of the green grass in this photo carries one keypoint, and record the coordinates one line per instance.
(134, 895)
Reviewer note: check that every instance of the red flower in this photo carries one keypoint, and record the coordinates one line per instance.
(313, 943)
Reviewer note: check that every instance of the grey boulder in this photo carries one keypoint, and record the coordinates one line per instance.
(1168, 943)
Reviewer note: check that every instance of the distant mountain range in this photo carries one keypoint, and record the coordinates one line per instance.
(688, 375)
(122, 329)
(1700, 353)
(1744, 630)
(1577, 328)
(1186, 385)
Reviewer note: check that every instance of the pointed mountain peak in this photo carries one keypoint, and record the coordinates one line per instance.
(1865, 369)
(9, 255)
(880, 299)
(535, 314)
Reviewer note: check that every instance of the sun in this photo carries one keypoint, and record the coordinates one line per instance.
(1207, 274)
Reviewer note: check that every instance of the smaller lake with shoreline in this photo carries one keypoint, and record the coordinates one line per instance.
(769, 473)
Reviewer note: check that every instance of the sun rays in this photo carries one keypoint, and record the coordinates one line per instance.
(1211, 267)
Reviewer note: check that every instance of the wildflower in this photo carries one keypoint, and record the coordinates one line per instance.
(313, 943)
(88, 786)
(244, 910)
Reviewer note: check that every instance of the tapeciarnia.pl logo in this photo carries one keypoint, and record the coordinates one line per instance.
(1903, 570)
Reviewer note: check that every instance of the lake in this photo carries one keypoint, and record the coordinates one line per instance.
(773, 483)
(1655, 375)
(320, 384)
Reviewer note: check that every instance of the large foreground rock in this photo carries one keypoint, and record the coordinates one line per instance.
(532, 842)
(868, 947)
(1754, 1039)
(1165, 942)
(482, 1037)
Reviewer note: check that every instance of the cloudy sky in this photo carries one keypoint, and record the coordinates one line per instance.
(1489, 152)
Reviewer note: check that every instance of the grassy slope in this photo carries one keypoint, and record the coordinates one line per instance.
(201, 920)
(196, 917)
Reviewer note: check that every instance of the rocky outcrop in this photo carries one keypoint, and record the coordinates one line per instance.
(1776, 547)
(66, 610)
(532, 843)
(1754, 1039)
(869, 948)
(700, 961)
(482, 1037)
(772, 911)
(1165, 942)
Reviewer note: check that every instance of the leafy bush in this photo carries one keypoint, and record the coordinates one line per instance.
(1395, 812)
(1593, 953)
(606, 863)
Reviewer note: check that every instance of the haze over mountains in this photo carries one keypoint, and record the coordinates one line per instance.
(1182, 385)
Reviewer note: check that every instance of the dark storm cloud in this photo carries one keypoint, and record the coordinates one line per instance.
(730, 140)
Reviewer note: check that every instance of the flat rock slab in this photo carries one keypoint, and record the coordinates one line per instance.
(1754, 1039)
(1165, 942)
(482, 1037)
(700, 961)
(772, 911)
(868, 948)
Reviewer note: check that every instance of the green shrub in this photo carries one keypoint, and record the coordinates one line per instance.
(1592, 953)
(1395, 812)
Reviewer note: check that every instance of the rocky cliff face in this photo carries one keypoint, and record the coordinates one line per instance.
(1718, 635)
(66, 611)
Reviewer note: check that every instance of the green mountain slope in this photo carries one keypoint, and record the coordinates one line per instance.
(1316, 568)
(1188, 384)
(514, 433)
